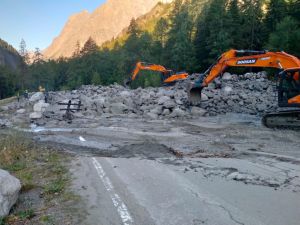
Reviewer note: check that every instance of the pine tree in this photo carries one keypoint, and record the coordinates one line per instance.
(161, 31)
(38, 56)
(23, 52)
(294, 9)
(179, 47)
(77, 50)
(253, 32)
(133, 29)
(24, 64)
(286, 36)
(233, 24)
(96, 79)
(89, 47)
(276, 11)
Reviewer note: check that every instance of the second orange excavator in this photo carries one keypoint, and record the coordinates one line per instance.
(288, 81)
(168, 77)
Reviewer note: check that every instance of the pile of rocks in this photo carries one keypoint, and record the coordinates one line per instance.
(251, 93)
(112, 100)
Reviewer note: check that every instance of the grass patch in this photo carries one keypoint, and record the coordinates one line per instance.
(44, 177)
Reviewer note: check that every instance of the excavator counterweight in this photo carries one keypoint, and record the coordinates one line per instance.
(288, 81)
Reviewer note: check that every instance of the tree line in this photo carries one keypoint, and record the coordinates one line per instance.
(189, 39)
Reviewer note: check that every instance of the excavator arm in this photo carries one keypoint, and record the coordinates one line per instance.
(280, 60)
(145, 66)
(288, 85)
(168, 75)
(231, 58)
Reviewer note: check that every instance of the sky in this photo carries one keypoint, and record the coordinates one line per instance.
(38, 21)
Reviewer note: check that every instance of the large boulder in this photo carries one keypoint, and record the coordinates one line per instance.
(4, 123)
(163, 99)
(169, 104)
(177, 112)
(118, 108)
(37, 97)
(41, 106)
(196, 111)
(226, 76)
(20, 111)
(35, 115)
(9, 192)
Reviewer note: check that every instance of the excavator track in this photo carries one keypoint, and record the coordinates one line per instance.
(283, 120)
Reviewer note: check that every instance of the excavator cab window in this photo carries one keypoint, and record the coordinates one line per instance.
(289, 86)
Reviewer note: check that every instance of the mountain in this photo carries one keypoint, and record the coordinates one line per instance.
(9, 56)
(106, 22)
(148, 21)
(145, 22)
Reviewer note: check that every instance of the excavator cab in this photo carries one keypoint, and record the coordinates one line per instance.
(289, 88)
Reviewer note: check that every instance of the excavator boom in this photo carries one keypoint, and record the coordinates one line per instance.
(288, 87)
(168, 76)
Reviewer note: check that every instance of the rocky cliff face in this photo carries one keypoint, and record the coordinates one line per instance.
(103, 24)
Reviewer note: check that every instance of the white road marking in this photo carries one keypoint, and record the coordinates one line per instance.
(82, 139)
(116, 199)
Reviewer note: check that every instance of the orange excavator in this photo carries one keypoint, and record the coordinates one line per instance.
(288, 82)
(168, 77)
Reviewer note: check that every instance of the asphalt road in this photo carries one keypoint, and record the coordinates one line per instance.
(215, 171)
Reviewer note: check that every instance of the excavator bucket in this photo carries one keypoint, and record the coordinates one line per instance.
(194, 91)
(127, 82)
(194, 94)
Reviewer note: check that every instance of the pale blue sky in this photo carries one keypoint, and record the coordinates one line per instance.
(38, 21)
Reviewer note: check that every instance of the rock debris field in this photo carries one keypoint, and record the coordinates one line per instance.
(251, 93)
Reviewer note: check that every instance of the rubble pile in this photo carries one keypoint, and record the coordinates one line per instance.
(251, 93)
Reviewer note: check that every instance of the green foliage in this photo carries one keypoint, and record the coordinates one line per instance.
(27, 214)
(188, 36)
(96, 79)
(285, 37)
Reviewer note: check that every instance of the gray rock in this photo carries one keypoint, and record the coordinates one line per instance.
(163, 99)
(125, 94)
(226, 76)
(9, 192)
(41, 106)
(37, 97)
(118, 108)
(4, 108)
(227, 90)
(157, 110)
(177, 112)
(4, 123)
(196, 111)
(169, 104)
(204, 97)
(152, 115)
(35, 115)
(166, 112)
(21, 111)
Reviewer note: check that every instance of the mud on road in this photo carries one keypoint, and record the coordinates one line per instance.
(214, 170)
